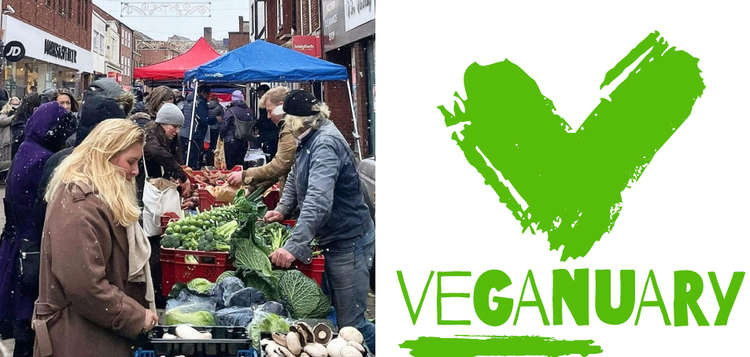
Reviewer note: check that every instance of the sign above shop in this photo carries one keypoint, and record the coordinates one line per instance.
(14, 51)
(346, 21)
(309, 45)
(57, 50)
(358, 12)
(117, 76)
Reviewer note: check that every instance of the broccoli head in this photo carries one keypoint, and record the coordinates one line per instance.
(170, 242)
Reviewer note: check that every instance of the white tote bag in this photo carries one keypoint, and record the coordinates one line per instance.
(156, 202)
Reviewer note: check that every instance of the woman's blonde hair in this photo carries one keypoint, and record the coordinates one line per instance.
(299, 124)
(90, 164)
(276, 95)
(7, 108)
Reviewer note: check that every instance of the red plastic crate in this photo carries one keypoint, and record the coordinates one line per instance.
(175, 270)
(166, 218)
(289, 222)
(314, 270)
(206, 200)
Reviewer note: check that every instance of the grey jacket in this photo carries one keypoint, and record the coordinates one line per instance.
(325, 185)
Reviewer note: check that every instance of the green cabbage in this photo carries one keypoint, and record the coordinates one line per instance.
(226, 274)
(250, 257)
(200, 286)
(302, 296)
(197, 318)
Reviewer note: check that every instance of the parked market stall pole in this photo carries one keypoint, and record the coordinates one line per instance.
(354, 118)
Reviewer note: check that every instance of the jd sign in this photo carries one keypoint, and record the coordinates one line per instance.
(14, 51)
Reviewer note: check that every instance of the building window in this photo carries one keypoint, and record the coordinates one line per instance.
(279, 16)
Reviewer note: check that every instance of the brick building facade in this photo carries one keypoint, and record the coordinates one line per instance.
(239, 38)
(127, 44)
(347, 38)
(152, 51)
(56, 35)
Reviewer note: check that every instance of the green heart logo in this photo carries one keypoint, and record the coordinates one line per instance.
(563, 182)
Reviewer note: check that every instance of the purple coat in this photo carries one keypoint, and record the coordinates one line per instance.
(45, 133)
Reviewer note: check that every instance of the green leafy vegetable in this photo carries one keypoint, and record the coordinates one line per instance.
(171, 241)
(200, 286)
(302, 296)
(197, 318)
(267, 285)
(226, 274)
(248, 256)
(265, 322)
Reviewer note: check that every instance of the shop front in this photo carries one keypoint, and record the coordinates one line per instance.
(349, 40)
(49, 62)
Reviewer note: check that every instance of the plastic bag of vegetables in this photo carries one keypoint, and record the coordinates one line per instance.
(234, 316)
(185, 297)
(196, 314)
(266, 322)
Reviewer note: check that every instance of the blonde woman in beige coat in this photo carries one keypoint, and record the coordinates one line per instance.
(95, 291)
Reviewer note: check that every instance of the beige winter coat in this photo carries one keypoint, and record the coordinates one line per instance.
(86, 305)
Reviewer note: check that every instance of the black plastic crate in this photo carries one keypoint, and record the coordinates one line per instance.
(225, 341)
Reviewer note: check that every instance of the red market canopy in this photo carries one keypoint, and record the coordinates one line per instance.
(175, 68)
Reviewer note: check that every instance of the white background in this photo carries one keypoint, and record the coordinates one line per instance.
(688, 210)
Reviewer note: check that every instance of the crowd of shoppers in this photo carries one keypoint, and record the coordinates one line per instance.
(90, 277)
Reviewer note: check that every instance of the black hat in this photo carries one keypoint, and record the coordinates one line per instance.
(300, 103)
(96, 109)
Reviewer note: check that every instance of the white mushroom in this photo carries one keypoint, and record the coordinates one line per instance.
(322, 333)
(279, 338)
(293, 343)
(358, 346)
(351, 334)
(334, 347)
(305, 330)
(349, 351)
(316, 350)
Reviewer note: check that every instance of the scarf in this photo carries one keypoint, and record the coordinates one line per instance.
(139, 270)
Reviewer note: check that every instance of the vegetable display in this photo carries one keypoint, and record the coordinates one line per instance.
(300, 341)
(200, 286)
(207, 231)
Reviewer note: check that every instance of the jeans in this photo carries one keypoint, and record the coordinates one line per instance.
(195, 152)
(348, 276)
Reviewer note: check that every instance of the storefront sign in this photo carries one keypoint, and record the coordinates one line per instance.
(115, 75)
(57, 50)
(309, 45)
(36, 49)
(347, 21)
(14, 51)
(357, 12)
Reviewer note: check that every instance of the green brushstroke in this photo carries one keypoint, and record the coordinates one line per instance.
(569, 183)
(470, 346)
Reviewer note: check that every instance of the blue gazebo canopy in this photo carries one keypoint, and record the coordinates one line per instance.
(261, 61)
